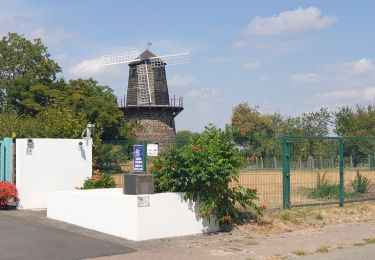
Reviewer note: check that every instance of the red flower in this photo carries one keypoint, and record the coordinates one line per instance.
(251, 158)
(7, 191)
(174, 166)
(195, 148)
(263, 207)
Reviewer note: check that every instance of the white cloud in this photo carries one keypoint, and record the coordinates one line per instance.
(304, 78)
(252, 65)
(288, 22)
(93, 68)
(180, 81)
(340, 94)
(264, 79)
(16, 23)
(54, 37)
(357, 73)
(28, 25)
(203, 92)
(86, 68)
(369, 93)
(206, 99)
(355, 95)
(361, 67)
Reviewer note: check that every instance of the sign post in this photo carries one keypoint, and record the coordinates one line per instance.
(138, 159)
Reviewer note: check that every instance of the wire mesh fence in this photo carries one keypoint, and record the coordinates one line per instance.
(336, 170)
(267, 183)
(313, 170)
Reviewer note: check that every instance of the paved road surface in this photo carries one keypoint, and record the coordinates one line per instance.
(24, 237)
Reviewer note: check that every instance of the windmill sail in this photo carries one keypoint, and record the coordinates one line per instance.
(143, 93)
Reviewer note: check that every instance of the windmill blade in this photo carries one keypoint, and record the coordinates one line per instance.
(144, 91)
(125, 57)
(172, 59)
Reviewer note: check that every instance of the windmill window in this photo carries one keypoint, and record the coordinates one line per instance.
(133, 72)
(160, 74)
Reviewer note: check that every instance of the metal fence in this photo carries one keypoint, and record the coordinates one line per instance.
(339, 170)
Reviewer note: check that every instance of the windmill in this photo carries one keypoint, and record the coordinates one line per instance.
(147, 99)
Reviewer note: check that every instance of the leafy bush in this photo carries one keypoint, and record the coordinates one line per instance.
(325, 191)
(7, 191)
(99, 181)
(203, 169)
(361, 184)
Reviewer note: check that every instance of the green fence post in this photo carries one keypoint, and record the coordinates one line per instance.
(341, 163)
(286, 172)
(144, 157)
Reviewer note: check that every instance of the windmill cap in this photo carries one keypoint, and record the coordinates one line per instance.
(146, 55)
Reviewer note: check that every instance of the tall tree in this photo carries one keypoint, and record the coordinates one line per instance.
(356, 121)
(252, 129)
(315, 124)
(99, 105)
(183, 137)
(23, 63)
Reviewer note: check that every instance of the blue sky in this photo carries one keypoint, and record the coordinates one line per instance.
(288, 57)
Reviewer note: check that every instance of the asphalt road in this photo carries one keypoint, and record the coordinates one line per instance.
(24, 237)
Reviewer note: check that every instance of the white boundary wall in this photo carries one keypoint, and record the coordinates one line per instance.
(54, 164)
(110, 211)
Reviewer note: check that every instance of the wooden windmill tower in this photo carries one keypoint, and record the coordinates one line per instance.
(148, 100)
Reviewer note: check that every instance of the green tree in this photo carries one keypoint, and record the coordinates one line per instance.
(315, 124)
(59, 122)
(183, 137)
(252, 129)
(99, 105)
(23, 63)
(356, 121)
(29, 87)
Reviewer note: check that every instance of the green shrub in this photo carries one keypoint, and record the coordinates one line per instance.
(325, 191)
(361, 184)
(203, 169)
(99, 181)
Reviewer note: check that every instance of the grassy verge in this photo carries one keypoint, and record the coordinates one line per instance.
(311, 217)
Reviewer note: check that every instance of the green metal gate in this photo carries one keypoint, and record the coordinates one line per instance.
(6, 159)
(321, 170)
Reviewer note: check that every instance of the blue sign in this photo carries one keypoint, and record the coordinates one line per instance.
(138, 158)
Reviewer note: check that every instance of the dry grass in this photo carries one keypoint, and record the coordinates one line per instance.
(322, 250)
(315, 217)
(300, 252)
